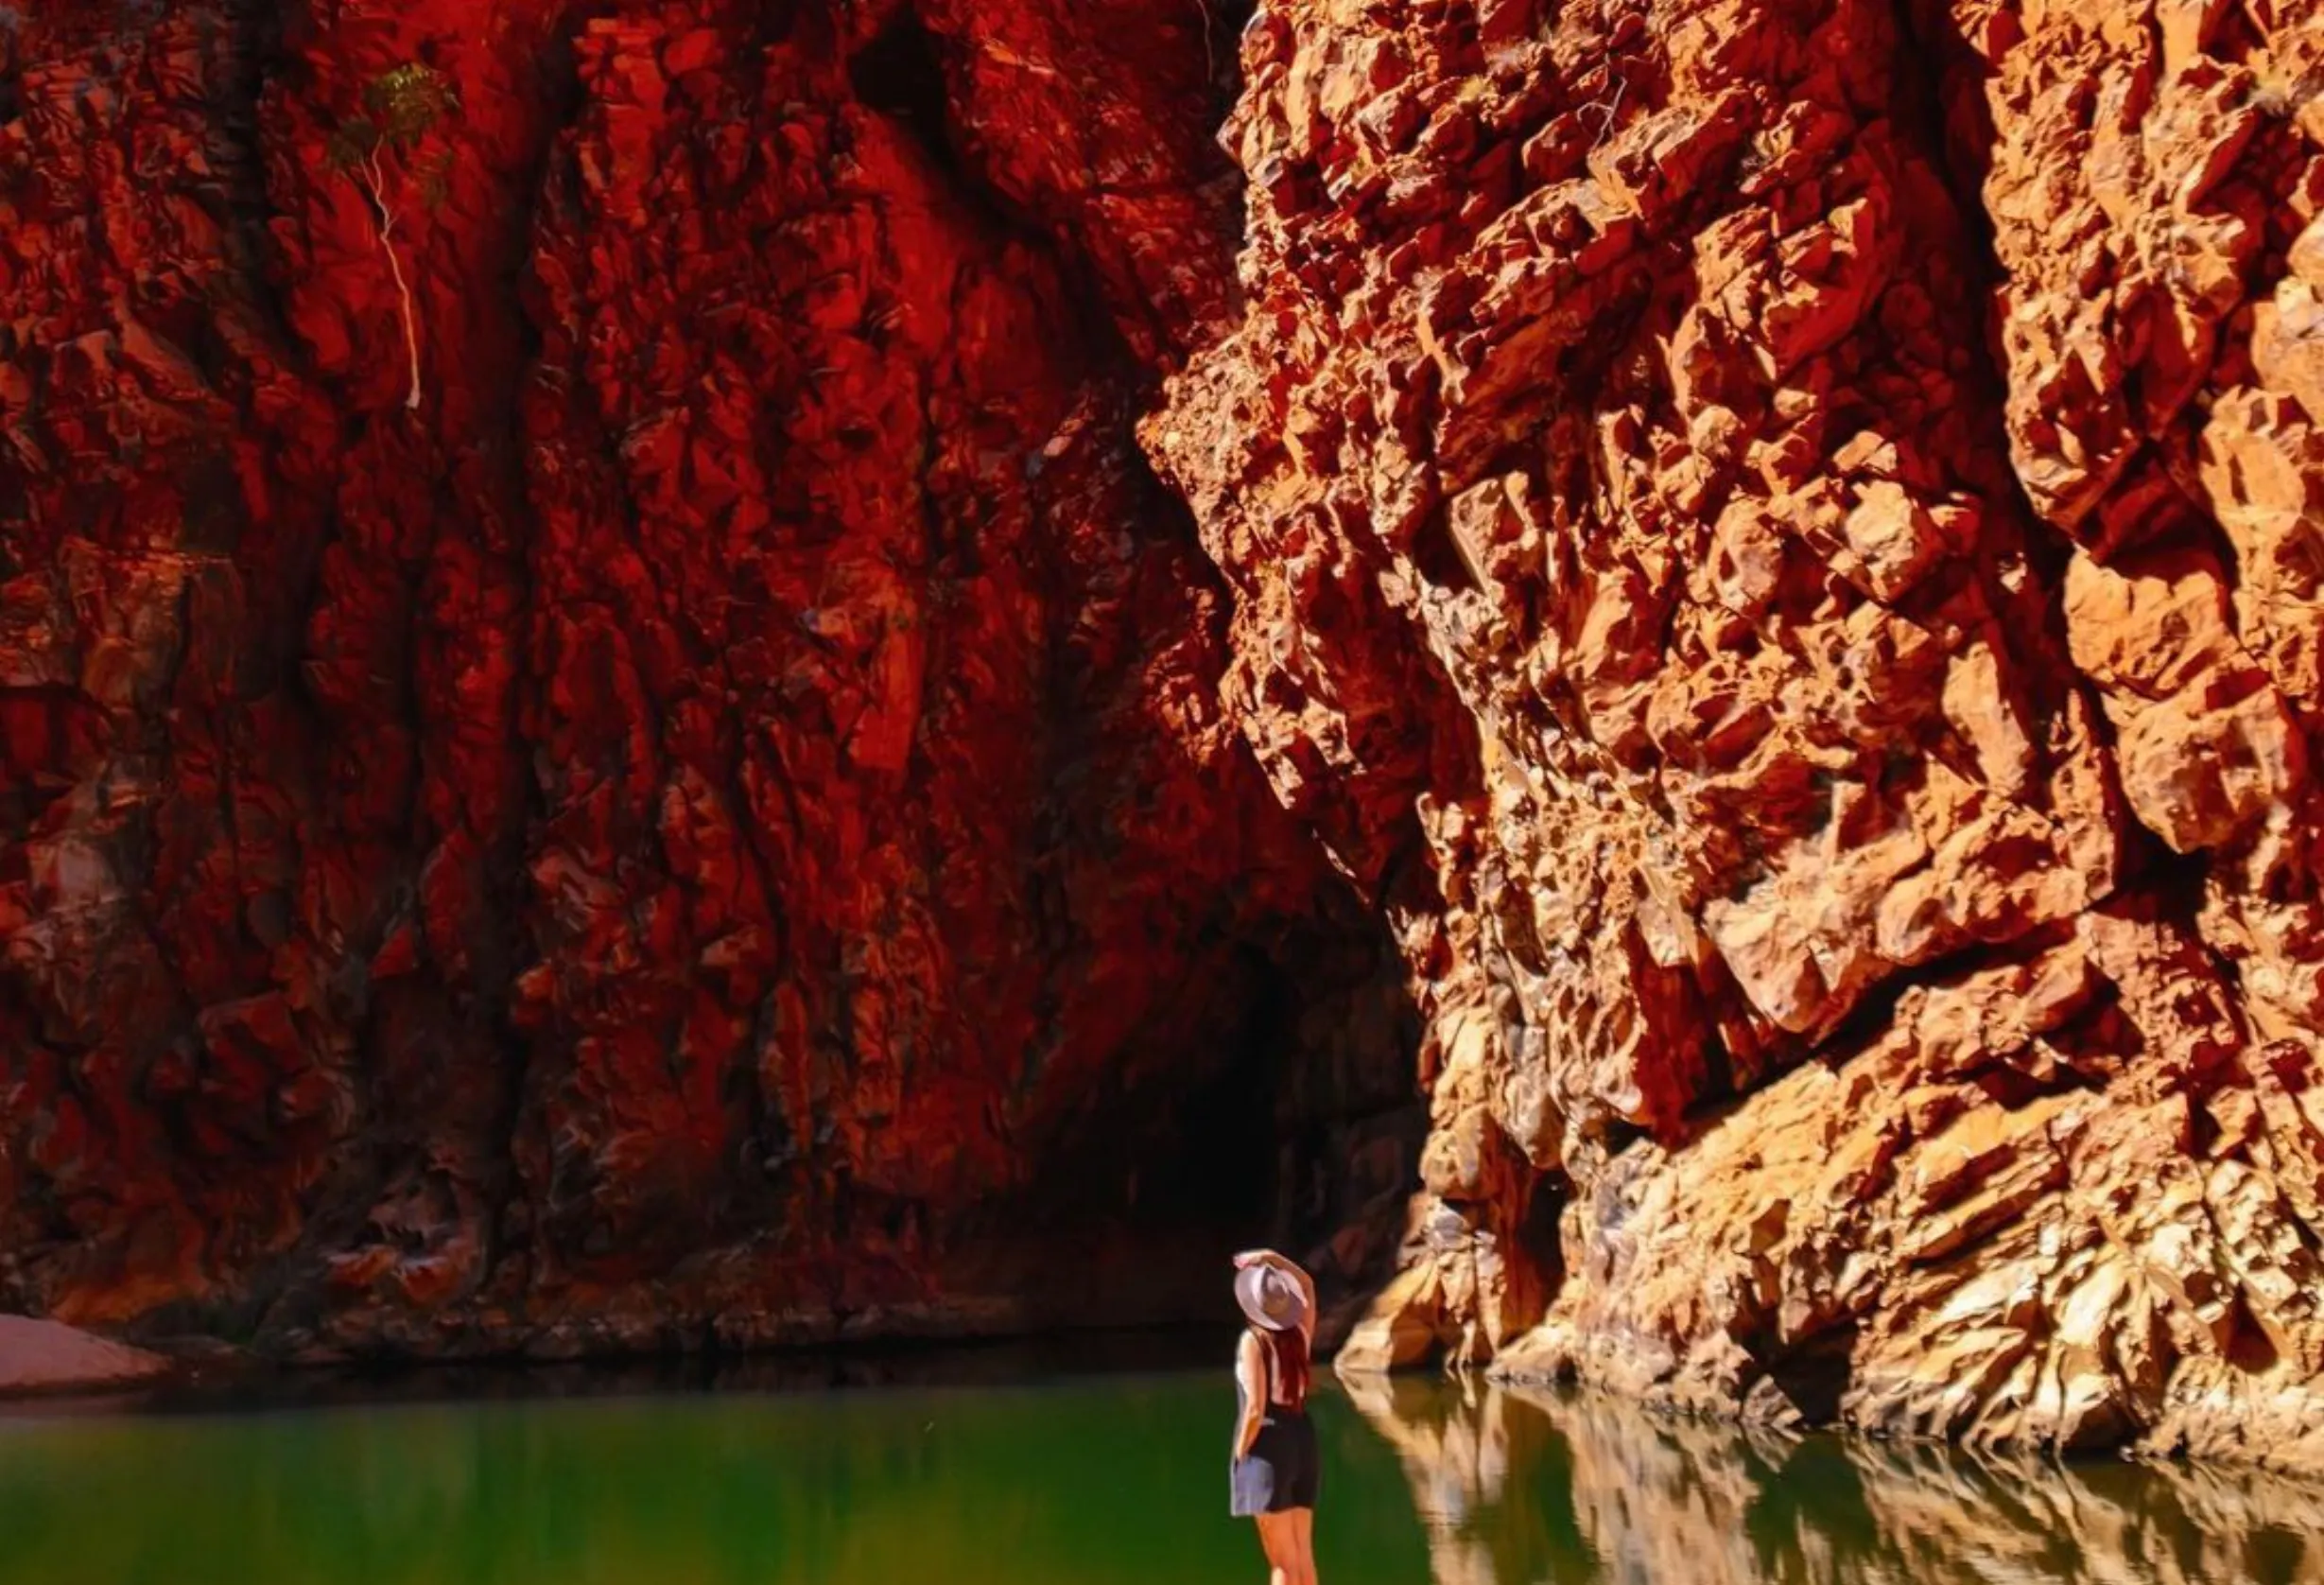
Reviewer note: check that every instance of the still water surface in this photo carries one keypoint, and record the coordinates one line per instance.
(1088, 1480)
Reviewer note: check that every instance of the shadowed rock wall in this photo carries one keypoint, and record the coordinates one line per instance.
(710, 813)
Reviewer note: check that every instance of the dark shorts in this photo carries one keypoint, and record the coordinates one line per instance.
(1280, 1470)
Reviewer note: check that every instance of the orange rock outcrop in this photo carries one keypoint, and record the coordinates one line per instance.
(1780, 541)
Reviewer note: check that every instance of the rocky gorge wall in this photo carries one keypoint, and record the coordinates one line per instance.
(688, 804)
(1752, 590)
(1783, 539)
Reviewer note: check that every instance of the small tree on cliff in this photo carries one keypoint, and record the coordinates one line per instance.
(373, 150)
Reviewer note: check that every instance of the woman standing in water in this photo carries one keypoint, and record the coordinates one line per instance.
(1275, 1471)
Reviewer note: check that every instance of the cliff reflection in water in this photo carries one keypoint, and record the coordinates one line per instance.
(1520, 1485)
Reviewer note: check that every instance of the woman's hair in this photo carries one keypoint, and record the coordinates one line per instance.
(1288, 1353)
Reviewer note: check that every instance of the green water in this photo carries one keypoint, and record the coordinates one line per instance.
(1094, 1480)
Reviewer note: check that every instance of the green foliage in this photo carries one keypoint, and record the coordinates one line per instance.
(404, 102)
(400, 107)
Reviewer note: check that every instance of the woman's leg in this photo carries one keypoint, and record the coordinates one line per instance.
(1302, 1544)
(1280, 1539)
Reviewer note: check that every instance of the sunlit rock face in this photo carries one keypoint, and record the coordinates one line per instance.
(688, 796)
(1782, 542)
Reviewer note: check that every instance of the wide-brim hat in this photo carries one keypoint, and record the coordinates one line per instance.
(1271, 1301)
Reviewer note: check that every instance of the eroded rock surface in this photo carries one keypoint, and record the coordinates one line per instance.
(1780, 540)
(709, 811)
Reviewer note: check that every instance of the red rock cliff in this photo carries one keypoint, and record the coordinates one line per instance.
(607, 735)
(1785, 539)
(686, 794)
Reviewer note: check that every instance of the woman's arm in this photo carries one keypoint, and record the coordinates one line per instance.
(1251, 1383)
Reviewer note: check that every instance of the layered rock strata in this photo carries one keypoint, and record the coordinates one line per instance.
(1779, 540)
